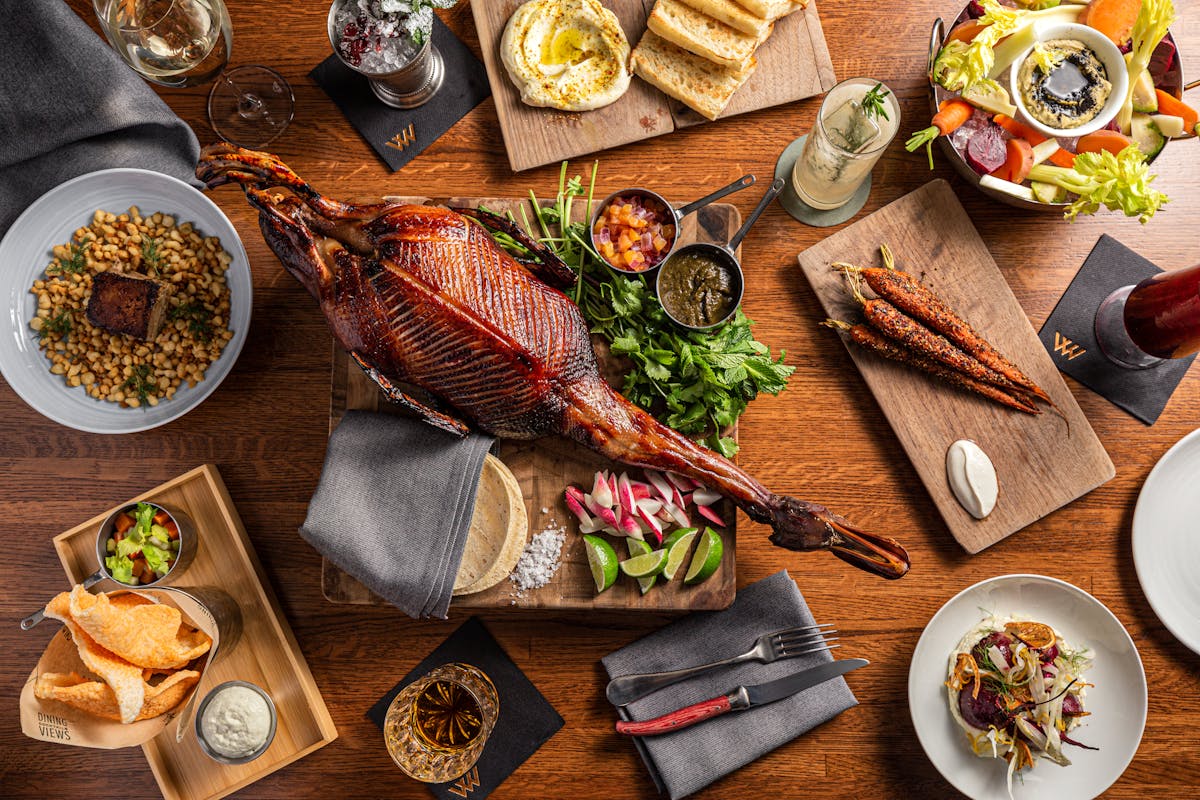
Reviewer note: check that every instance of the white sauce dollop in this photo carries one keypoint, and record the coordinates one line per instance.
(236, 722)
(972, 478)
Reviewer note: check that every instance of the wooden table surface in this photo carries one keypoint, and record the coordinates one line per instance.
(823, 439)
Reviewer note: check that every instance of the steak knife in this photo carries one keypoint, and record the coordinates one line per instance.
(741, 698)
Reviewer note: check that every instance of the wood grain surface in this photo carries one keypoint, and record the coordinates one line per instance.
(1042, 462)
(793, 64)
(544, 468)
(823, 439)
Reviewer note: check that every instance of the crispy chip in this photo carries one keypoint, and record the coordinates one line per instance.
(147, 634)
(97, 698)
(124, 678)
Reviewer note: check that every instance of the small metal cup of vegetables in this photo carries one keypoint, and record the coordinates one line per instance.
(146, 544)
(700, 285)
(635, 230)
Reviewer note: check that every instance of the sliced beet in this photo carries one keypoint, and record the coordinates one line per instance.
(1071, 706)
(1002, 641)
(985, 150)
(1161, 61)
(982, 711)
(1048, 655)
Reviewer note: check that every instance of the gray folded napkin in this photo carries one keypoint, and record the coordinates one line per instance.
(686, 761)
(69, 105)
(394, 505)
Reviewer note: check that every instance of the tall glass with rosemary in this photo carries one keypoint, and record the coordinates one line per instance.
(857, 121)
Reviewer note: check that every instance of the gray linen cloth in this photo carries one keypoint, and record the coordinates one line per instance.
(686, 761)
(69, 105)
(394, 505)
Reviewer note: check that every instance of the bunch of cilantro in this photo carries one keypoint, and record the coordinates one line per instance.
(697, 382)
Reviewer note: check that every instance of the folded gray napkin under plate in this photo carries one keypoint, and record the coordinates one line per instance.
(686, 761)
(393, 507)
(69, 105)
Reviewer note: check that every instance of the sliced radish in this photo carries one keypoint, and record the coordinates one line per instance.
(574, 505)
(649, 506)
(601, 492)
(591, 526)
(625, 494)
(612, 483)
(711, 515)
(660, 484)
(678, 498)
(678, 515)
(641, 491)
(705, 497)
(629, 527)
(683, 483)
(651, 522)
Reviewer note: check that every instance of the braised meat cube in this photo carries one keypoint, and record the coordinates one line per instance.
(128, 303)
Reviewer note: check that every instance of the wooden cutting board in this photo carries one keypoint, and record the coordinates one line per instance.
(793, 64)
(543, 468)
(1041, 467)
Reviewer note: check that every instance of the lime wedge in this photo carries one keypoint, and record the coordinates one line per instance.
(645, 565)
(603, 561)
(637, 547)
(706, 559)
(678, 553)
(676, 535)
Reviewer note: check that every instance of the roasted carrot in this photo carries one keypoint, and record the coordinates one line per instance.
(1112, 141)
(950, 117)
(1170, 104)
(1113, 18)
(1061, 157)
(895, 324)
(876, 342)
(912, 297)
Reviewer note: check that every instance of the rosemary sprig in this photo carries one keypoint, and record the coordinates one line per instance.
(60, 324)
(872, 103)
(151, 258)
(199, 318)
(75, 262)
(141, 382)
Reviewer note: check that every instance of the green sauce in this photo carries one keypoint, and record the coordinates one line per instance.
(697, 289)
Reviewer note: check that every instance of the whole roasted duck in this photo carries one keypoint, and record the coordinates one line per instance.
(424, 296)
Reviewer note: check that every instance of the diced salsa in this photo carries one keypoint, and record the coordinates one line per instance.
(634, 232)
(143, 547)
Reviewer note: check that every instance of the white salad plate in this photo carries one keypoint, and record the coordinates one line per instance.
(26, 250)
(1117, 701)
(1166, 539)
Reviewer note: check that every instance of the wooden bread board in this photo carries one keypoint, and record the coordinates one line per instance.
(1040, 467)
(793, 64)
(266, 654)
(543, 468)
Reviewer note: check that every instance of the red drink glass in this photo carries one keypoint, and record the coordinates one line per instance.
(1158, 319)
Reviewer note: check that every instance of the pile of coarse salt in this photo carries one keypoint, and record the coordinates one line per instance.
(540, 560)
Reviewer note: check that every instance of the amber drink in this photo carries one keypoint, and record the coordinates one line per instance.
(1158, 319)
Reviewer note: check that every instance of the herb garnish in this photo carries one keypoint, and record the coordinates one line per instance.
(75, 262)
(872, 103)
(150, 255)
(60, 324)
(199, 318)
(141, 382)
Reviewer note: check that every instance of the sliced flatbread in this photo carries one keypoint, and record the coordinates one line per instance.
(697, 82)
(499, 521)
(772, 9)
(733, 15)
(699, 33)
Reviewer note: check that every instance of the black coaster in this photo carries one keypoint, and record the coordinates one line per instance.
(1070, 335)
(526, 721)
(397, 135)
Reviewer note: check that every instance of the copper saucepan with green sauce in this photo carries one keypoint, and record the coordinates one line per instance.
(700, 285)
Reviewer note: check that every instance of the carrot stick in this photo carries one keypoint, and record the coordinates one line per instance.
(914, 298)
(878, 343)
(1061, 157)
(950, 117)
(895, 324)
(1020, 159)
(1112, 141)
(1113, 18)
(1170, 104)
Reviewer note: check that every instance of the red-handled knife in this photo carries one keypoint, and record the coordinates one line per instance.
(741, 698)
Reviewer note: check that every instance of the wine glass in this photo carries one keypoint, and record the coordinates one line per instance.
(250, 105)
(1158, 319)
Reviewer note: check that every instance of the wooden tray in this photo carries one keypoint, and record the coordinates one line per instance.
(266, 655)
(1040, 466)
(793, 64)
(543, 468)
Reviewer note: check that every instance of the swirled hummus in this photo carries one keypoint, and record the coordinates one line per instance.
(566, 54)
(1064, 84)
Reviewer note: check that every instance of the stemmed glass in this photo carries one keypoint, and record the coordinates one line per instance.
(182, 43)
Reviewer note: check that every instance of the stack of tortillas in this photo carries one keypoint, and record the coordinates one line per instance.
(701, 51)
(499, 528)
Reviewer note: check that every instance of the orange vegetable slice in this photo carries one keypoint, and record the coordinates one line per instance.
(1035, 634)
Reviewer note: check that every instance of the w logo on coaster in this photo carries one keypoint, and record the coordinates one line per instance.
(404, 138)
(1066, 347)
(466, 784)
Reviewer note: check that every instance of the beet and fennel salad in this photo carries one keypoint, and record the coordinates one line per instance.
(1017, 691)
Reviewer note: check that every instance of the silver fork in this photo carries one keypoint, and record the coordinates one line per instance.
(769, 647)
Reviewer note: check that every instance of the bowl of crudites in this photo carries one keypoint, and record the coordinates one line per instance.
(127, 296)
(992, 138)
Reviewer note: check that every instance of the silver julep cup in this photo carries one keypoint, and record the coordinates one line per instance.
(412, 85)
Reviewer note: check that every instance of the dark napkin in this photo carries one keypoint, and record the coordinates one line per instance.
(526, 720)
(69, 105)
(390, 131)
(1070, 335)
(686, 761)
(393, 507)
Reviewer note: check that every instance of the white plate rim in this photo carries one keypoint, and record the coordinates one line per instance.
(1189, 639)
(232, 350)
(1028, 576)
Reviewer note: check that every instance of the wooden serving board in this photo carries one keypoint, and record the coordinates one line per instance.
(543, 468)
(793, 64)
(267, 653)
(1041, 467)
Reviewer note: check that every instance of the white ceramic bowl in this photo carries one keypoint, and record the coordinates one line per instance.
(25, 252)
(1105, 50)
(1117, 701)
(1166, 540)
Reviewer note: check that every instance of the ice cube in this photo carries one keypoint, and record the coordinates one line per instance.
(849, 128)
